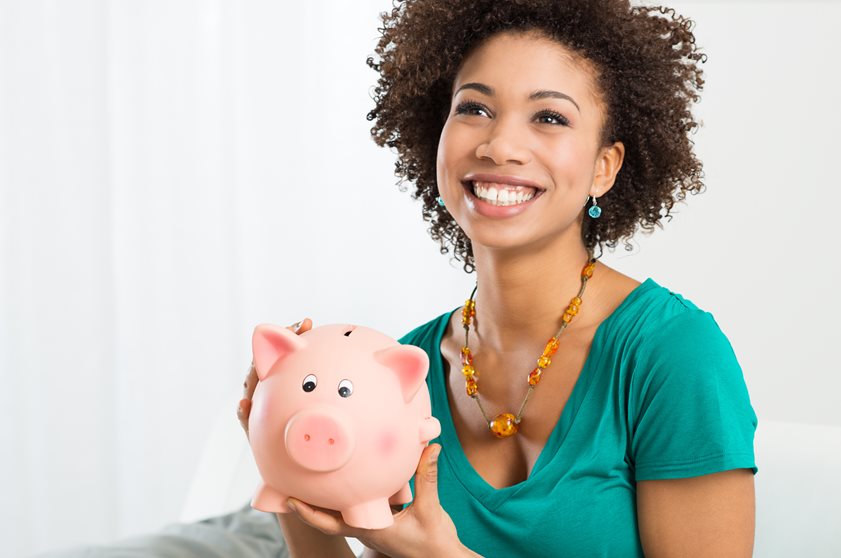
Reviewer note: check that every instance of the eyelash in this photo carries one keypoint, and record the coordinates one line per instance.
(466, 106)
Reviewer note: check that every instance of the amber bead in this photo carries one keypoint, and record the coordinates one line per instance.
(468, 370)
(551, 347)
(588, 270)
(567, 317)
(572, 309)
(504, 425)
(467, 312)
(466, 356)
(543, 362)
(576, 300)
(534, 376)
(471, 387)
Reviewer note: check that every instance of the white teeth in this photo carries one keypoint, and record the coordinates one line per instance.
(503, 194)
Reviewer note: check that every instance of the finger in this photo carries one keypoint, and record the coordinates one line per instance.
(250, 383)
(426, 479)
(243, 412)
(303, 326)
(328, 522)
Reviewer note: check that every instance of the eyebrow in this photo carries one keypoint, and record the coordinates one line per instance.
(537, 95)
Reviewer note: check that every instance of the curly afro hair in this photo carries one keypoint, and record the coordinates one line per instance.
(647, 71)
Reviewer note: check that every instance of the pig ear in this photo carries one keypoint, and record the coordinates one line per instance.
(270, 343)
(411, 365)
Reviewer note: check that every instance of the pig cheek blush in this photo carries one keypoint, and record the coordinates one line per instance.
(387, 443)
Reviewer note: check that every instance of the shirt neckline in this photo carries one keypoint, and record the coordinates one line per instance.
(462, 469)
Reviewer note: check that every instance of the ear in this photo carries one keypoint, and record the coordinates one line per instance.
(270, 343)
(411, 365)
(608, 163)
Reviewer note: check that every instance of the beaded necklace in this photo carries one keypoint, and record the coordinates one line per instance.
(504, 425)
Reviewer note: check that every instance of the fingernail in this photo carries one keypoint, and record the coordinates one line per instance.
(290, 503)
(296, 325)
(435, 451)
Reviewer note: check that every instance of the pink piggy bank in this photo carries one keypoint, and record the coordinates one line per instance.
(339, 420)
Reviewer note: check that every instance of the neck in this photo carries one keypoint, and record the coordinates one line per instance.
(522, 296)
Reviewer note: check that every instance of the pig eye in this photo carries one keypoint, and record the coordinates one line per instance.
(345, 388)
(310, 382)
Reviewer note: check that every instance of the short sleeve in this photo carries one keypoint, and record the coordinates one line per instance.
(689, 409)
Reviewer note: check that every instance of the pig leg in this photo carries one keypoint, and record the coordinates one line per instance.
(404, 496)
(270, 500)
(375, 514)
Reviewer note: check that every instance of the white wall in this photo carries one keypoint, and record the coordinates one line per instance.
(172, 173)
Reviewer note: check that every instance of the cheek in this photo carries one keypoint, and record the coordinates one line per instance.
(453, 145)
(570, 162)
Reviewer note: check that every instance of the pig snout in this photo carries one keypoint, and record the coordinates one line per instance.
(319, 440)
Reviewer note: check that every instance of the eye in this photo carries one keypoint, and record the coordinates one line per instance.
(310, 382)
(552, 117)
(345, 388)
(471, 108)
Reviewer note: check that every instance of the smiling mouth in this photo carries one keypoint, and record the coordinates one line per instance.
(501, 194)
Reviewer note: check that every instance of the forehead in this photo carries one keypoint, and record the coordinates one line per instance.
(518, 63)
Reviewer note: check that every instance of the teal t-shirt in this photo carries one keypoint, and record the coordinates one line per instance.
(660, 396)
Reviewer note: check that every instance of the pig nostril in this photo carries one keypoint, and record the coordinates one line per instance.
(331, 441)
(306, 437)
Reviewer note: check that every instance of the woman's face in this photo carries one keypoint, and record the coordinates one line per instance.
(520, 151)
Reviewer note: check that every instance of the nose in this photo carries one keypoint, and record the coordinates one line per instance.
(319, 440)
(504, 144)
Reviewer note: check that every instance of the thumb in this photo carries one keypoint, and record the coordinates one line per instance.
(426, 479)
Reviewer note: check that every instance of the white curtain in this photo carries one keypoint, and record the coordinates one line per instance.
(174, 172)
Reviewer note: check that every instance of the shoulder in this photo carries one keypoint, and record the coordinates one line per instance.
(669, 348)
(667, 327)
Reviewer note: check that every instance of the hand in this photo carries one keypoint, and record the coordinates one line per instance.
(421, 529)
(250, 383)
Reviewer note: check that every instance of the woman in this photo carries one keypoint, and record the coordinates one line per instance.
(536, 133)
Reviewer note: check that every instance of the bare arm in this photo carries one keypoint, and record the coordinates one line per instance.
(710, 515)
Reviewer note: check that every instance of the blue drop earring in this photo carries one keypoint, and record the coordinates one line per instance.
(595, 211)
(440, 201)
